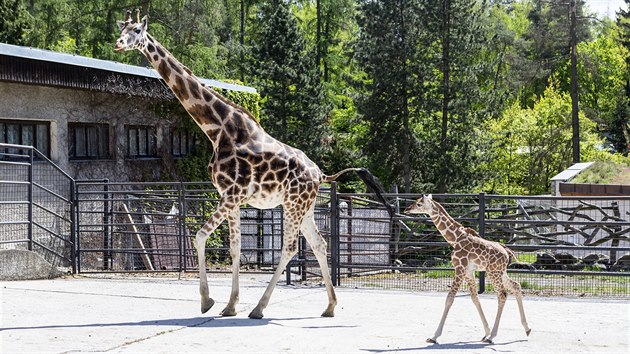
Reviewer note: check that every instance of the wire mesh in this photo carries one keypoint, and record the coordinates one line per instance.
(564, 246)
(36, 205)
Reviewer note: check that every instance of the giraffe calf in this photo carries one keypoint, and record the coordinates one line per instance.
(472, 253)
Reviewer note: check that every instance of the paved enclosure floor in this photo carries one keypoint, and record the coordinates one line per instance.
(161, 315)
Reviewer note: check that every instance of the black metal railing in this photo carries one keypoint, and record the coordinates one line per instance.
(564, 245)
(36, 199)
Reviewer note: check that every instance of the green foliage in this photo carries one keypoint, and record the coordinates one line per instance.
(424, 92)
(531, 145)
(13, 22)
(545, 46)
(468, 99)
(194, 166)
(292, 96)
(248, 100)
(602, 76)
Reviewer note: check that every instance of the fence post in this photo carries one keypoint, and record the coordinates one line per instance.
(180, 228)
(334, 234)
(30, 201)
(482, 234)
(108, 262)
(74, 207)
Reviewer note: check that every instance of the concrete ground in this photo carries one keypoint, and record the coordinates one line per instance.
(161, 315)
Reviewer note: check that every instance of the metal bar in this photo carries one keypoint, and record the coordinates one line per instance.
(30, 201)
(181, 244)
(55, 214)
(73, 228)
(334, 235)
(482, 233)
(57, 196)
(14, 222)
(52, 233)
(38, 244)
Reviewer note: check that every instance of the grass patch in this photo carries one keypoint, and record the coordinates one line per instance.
(604, 172)
(526, 257)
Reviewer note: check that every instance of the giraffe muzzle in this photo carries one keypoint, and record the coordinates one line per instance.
(119, 46)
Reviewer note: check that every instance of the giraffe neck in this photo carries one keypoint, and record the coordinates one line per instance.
(208, 109)
(447, 226)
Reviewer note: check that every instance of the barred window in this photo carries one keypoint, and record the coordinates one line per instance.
(88, 141)
(141, 141)
(182, 142)
(30, 133)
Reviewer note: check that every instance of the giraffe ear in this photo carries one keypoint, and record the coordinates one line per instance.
(121, 25)
(144, 20)
(430, 197)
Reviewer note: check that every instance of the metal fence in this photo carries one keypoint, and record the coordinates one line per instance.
(565, 245)
(151, 226)
(36, 205)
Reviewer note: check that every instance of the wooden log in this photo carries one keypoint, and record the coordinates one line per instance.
(136, 236)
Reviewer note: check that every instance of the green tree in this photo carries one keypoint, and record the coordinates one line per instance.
(13, 22)
(602, 74)
(386, 50)
(531, 145)
(427, 80)
(546, 45)
(620, 125)
(293, 104)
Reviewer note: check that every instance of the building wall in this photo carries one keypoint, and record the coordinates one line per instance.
(61, 106)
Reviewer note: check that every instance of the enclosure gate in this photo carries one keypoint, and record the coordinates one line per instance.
(37, 203)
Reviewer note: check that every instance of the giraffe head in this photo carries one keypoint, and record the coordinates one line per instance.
(424, 205)
(133, 34)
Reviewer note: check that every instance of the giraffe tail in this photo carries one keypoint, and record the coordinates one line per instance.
(511, 254)
(370, 181)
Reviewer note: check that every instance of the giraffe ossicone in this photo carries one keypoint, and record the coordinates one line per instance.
(248, 166)
(472, 253)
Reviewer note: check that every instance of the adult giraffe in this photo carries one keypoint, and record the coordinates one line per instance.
(248, 166)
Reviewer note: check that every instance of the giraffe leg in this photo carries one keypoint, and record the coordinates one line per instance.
(502, 296)
(234, 222)
(474, 296)
(318, 245)
(457, 281)
(289, 250)
(226, 206)
(515, 288)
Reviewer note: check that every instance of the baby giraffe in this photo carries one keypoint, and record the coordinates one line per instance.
(471, 253)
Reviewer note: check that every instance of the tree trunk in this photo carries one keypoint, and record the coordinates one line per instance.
(574, 87)
(446, 4)
(242, 42)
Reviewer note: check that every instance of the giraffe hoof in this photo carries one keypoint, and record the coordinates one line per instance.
(206, 304)
(255, 315)
(487, 340)
(228, 312)
(432, 341)
(328, 314)
(528, 332)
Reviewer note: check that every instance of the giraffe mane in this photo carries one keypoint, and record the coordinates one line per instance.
(233, 105)
(214, 92)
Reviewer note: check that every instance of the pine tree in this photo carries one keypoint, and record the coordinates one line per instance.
(12, 22)
(621, 124)
(386, 49)
(425, 92)
(294, 110)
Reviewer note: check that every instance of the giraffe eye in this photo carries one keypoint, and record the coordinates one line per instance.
(137, 30)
